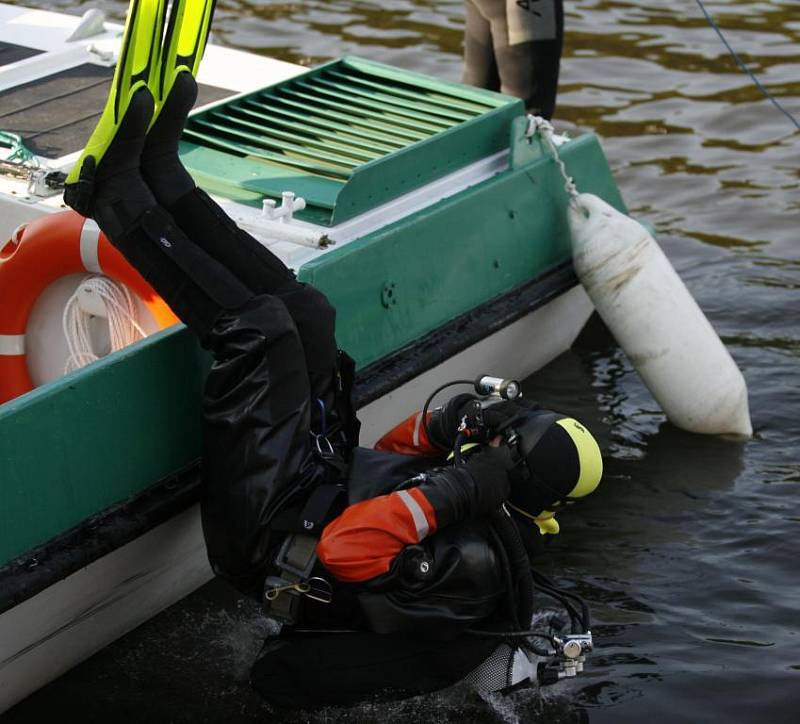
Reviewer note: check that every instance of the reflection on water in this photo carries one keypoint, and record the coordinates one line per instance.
(688, 551)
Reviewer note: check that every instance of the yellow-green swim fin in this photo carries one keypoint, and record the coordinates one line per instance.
(137, 67)
(184, 44)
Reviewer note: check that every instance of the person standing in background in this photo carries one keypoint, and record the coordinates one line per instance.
(514, 46)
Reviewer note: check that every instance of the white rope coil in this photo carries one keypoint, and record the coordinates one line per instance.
(537, 124)
(120, 309)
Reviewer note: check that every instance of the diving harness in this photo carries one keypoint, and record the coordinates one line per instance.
(299, 573)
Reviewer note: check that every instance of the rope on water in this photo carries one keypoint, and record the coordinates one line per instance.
(744, 68)
(537, 124)
(123, 324)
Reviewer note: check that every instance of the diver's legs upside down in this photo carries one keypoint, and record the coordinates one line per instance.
(210, 228)
(256, 408)
(202, 262)
(192, 283)
(126, 171)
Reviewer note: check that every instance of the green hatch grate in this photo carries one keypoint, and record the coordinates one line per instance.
(347, 136)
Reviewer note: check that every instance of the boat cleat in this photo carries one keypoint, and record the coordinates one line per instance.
(285, 212)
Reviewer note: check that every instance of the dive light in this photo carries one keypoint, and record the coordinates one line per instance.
(497, 387)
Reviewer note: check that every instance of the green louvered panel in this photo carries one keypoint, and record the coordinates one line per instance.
(346, 136)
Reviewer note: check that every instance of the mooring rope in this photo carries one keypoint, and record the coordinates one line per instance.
(123, 325)
(537, 124)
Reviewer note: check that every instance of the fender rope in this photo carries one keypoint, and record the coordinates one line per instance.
(537, 124)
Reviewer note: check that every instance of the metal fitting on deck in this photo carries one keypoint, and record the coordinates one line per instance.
(285, 212)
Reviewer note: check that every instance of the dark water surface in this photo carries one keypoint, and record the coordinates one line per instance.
(689, 552)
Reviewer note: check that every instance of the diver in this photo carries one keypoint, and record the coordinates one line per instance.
(396, 570)
(514, 46)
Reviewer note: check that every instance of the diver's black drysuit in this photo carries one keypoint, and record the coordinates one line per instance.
(276, 382)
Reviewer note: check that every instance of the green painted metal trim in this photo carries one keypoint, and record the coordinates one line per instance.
(382, 180)
(405, 280)
(240, 180)
(98, 436)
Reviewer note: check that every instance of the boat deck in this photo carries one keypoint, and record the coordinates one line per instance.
(55, 114)
(11, 53)
(54, 83)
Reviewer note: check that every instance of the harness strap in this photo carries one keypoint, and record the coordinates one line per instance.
(295, 560)
(523, 438)
(297, 556)
(345, 381)
(318, 508)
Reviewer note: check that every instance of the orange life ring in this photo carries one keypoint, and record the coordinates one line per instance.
(37, 255)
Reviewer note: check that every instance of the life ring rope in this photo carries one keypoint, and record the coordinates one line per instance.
(39, 254)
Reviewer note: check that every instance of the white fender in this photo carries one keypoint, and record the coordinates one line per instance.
(656, 321)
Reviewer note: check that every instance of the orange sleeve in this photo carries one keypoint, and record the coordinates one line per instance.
(409, 438)
(364, 540)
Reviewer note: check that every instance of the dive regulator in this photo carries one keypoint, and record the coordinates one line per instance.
(568, 657)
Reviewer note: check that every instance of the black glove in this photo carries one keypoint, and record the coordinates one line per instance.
(444, 422)
(80, 195)
(472, 490)
(501, 416)
(498, 417)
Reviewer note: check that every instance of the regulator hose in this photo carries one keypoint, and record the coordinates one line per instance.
(521, 578)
